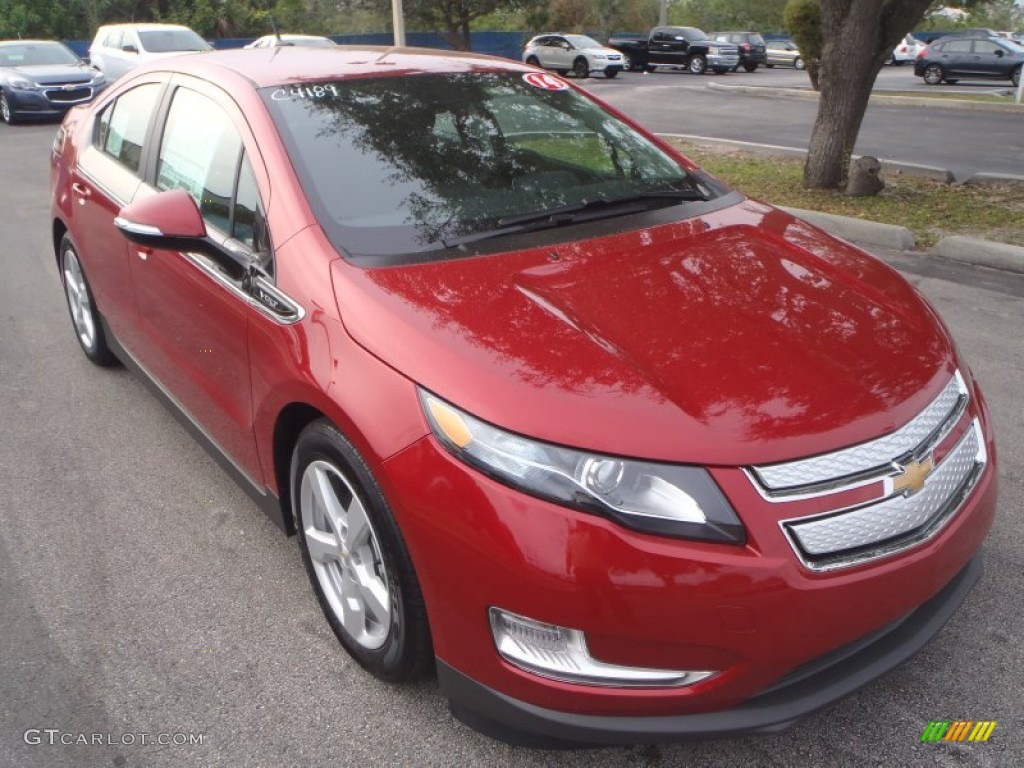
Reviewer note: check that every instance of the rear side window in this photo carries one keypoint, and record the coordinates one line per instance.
(200, 153)
(122, 126)
(113, 39)
(957, 46)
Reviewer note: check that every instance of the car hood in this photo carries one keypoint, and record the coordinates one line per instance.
(602, 51)
(745, 336)
(46, 74)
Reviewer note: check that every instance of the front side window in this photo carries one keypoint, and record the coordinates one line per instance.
(166, 40)
(200, 152)
(987, 47)
(123, 125)
(422, 162)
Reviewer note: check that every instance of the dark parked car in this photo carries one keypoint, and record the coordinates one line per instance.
(42, 78)
(750, 45)
(621, 454)
(968, 58)
(784, 53)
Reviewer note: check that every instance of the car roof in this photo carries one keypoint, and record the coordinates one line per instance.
(31, 42)
(146, 27)
(290, 65)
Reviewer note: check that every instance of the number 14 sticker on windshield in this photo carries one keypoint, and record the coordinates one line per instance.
(545, 81)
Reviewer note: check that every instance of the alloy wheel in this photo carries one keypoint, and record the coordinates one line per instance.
(345, 554)
(79, 300)
(933, 74)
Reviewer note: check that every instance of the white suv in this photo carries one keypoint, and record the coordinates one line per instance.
(578, 54)
(118, 48)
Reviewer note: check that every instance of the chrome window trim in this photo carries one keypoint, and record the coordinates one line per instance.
(880, 454)
(100, 185)
(927, 531)
(207, 266)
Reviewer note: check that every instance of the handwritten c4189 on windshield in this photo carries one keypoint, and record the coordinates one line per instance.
(304, 92)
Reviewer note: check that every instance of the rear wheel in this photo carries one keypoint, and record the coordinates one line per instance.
(84, 316)
(355, 557)
(580, 68)
(799, 63)
(697, 65)
(933, 74)
(769, 66)
(533, 61)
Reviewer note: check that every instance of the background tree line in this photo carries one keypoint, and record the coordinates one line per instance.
(78, 19)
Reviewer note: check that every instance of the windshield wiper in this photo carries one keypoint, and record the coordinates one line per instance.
(641, 200)
(587, 210)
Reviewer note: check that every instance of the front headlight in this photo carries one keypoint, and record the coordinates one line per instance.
(97, 79)
(663, 499)
(21, 84)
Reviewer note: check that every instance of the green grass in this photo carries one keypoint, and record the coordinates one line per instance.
(988, 98)
(930, 209)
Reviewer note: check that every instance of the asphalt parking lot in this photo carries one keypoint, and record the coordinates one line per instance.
(143, 593)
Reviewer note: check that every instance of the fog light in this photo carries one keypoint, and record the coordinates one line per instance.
(561, 654)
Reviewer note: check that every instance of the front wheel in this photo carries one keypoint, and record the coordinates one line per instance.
(580, 68)
(697, 65)
(356, 558)
(84, 316)
(611, 73)
(6, 113)
(933, 74)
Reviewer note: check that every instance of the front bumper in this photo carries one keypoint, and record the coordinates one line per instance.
(723, 61)
(811, 687)
(50, 101)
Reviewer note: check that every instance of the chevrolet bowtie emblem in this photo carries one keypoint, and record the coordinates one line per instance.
(912, 476)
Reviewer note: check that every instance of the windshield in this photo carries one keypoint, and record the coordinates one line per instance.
(167, 40)
(582, 41)
(756, 40)
(36, 54)
(397, 165)
(1015, 47)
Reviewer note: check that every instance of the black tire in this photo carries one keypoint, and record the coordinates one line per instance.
(949, 81)
(404, 652)
(1015, 77)
(798, 63)
(533, 61)
(697, 65)
(933, 74)
(627, 63)
(769, 66)
(736, 68)
(580, 68)
(7, 114)
(85, 317)
(651, 67)
(721, 70)
(750, 67)
(610, 74)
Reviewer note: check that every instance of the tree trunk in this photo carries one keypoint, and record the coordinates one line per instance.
(857, 37)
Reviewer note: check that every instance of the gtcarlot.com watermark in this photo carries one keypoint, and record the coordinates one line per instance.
(55, 736)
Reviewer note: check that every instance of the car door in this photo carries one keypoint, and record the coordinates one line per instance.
(105, 178)
(194, 309)
(989, 59)
(560, 54)
(955, 57)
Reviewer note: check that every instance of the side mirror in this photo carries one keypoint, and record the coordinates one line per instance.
(999, 52)
(129, 48)
(167, 221)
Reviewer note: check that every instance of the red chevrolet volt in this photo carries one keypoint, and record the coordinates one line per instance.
(621, 454)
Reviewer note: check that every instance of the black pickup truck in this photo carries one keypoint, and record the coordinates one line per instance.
(686, 47)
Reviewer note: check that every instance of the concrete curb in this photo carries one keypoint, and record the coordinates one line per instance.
(891, 236)
(878, 98)
(982, 253)
(890, 166)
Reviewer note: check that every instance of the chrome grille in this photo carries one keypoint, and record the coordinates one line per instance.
(819, 473)
(63, 94)
(852, 536)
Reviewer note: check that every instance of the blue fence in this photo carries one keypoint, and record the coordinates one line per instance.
(507, 44)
